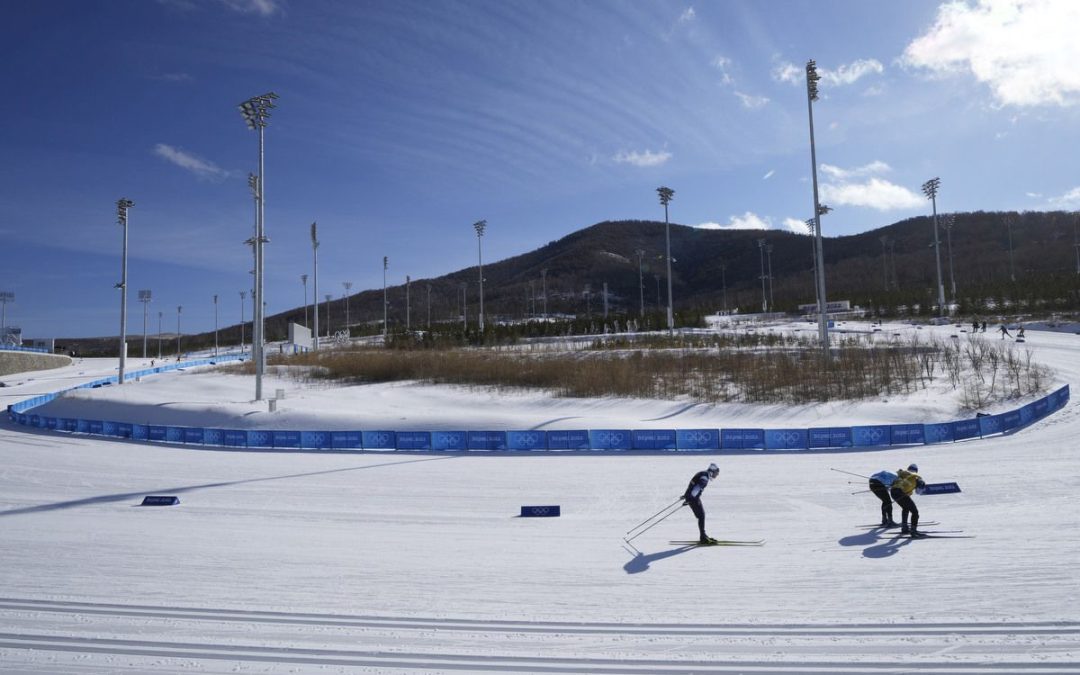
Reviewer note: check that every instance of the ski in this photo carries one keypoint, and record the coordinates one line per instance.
(891, 527)
(926, 535)
(719, 542)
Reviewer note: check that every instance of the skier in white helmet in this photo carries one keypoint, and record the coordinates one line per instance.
(692, 497)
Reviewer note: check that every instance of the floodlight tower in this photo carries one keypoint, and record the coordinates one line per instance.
(328, 298)
(930, 189)
(812, 78)
(8, 296)
(122, 206)
(666, 194)
(949, 220)
(479, 226)
(256, 112)
(764, 298)
(215, 325)
(243, 297)
(179, 308)
(348, 289)
(385, 266)
(315, 294)
(159, 317)
(641, 279)
(144, 298)
(303, 280)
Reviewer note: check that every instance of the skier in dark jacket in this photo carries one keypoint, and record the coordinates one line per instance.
(880, 483)
(692, 497)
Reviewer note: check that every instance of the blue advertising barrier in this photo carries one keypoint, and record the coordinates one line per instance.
(568, 440)
(597, 439)
(940, 488)
(487, 440)
(742, 439)
(526, 440)
(786, 439)
(610, 439)
(654, 439)
(698, 439)
(449, 441)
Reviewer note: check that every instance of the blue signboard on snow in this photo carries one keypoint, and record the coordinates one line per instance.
(213, 437)
(742, 439)
(193, 435)
(940, 488)
(347, 440)
(380, 440)
(286, 439)
(568, 440)
(871, 436)
(234, 438)
(414, 440)
(315, 440)
(487, 440)
(654, 439)
(698, 439)
(1010, 420)
(786, 439)
(260, 438)
(938, 433)
(526, 440)
(452, 441)
(830, 437)
(610, 439)
(156, 433)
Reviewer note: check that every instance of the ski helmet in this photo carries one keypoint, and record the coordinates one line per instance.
(714, 471)
(913, 467)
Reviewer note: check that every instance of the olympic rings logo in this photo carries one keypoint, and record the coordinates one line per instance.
(697, 437)
(609, 438)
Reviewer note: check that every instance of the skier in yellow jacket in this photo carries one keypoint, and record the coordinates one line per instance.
(907, 481)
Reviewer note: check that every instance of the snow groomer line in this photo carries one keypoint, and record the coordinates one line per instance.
(692, 440)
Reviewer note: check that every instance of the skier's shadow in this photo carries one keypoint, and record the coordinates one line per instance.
(640, 562)
(885, 549)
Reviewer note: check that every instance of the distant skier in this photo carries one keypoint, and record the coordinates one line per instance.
(975, 325)
(1020, 332)
(1004, 331)
(906, 483)
(983, 327)
(880, 483)
(692, 497)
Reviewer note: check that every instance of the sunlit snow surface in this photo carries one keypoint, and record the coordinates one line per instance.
(398, 562)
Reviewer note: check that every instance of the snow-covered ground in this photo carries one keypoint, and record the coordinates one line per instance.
(411, 562)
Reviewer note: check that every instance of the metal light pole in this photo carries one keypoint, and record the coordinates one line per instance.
(812, 78)
(256, 112)
(950, 219)
(666, 194)
(179, 308)
(408, 304)
(385, 265)
(8, 296)
(641, 279)
(348, 290)
(159, 316)
(764, 298)
(768, 266)
(315, 294)
(479, 227)
(543, 277)
(1008, 226)
(243, 297)
(144, 298)
(215, 325)
(303, 280)
(811, 226)
(328, 297)
(930, 189)
(122, 206)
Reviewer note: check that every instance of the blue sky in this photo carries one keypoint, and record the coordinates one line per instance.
(401, 123)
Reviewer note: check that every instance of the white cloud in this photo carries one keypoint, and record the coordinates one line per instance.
(688, 15)
(721, 63)
(185, 160)
(747, 221)
(769, 174)
(260, 7)
(788, 72)
(642, 159)
(876, 166)
(797, 226)
(1069, 200)
(1034, 195)
(1026, 51)
(875, 193)
(751, 102)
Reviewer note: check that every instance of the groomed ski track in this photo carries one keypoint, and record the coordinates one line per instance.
(122, 636)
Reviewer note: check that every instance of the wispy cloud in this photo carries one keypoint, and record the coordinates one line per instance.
(642, 159)
(722, 63)
(1069, 200)
(1026, 52)
(751, 102)
(173, 77)
(769, 174)
(797, 226)
(836, 172)
(260, 7)
(841, 76)
(861, 187)
(202, 168)
(688, 15)
(747, 221)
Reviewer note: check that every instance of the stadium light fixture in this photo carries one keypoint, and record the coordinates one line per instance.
(122, 206)
(812, 79)
(480, 226)
(947, 222)
(385, 266)
(666, 195)
(930, 189)
(315, 294)
(144, 297)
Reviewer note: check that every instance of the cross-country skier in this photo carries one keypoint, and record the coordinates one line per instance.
(880, 483)
(906, 483)
(692, 497)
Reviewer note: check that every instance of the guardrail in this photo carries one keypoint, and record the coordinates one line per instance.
(693, 440)
(13, 348)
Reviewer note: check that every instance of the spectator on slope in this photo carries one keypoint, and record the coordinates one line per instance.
(975, 325)
(692, 497)
(880, 483)
(983, 327)
(907, 480)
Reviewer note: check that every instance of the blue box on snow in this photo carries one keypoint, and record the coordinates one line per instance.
(540, 511)
(940, 488)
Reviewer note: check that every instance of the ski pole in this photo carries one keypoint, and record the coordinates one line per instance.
(860, 492)
(849, 473)
(629, 539)
(654, 515)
